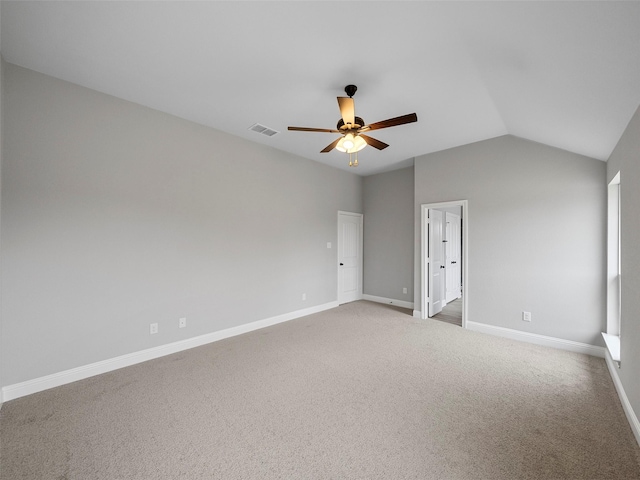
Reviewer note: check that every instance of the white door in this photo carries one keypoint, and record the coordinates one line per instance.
(453, 247)
(349, 257)
(436, 263)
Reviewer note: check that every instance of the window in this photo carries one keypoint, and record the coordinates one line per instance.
(614, 274)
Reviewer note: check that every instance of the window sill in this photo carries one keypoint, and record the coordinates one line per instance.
(613, 345)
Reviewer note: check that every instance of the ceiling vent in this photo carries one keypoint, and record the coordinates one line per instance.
(269, 132)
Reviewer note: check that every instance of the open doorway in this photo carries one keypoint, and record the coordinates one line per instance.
(444, 289)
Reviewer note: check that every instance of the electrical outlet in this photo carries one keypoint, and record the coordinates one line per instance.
(182, 322)
(526, 316)
(153, 328)
(404, 290)
(304, 296)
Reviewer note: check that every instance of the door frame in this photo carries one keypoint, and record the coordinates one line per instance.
(424, 250)
(360, 254)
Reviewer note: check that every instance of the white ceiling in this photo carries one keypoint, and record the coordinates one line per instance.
(566, 74)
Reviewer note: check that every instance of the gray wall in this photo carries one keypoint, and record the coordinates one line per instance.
(626, 160)
(116, 216)
(537, 221)
(388, 234)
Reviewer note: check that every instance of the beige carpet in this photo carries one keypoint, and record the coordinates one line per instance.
(363, 391)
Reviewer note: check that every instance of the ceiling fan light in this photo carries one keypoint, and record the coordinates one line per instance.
(358, 144)
(348, 142)
(344, 140)
(351, 143)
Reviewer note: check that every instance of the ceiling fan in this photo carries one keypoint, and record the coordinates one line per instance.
(352, 128)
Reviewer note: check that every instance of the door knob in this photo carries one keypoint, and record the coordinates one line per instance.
(341, 264)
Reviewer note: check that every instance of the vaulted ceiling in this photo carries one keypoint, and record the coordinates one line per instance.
(566, 74)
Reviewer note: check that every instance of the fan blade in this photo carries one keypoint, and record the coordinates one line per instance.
(373, 142)
(331, 146)
(347, 109)
(307, 129)
(392, 122)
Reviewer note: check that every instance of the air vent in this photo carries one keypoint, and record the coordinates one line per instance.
(269, 132)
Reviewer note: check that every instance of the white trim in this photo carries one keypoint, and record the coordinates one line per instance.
(424, 208)
(536, 339)
(613, 256)
(626, 405)
(417, 314)
(11, 392)
(399, 303)
(424, 225)
(613, 345)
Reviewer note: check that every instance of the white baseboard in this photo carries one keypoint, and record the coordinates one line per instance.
(18, 390)
(536, 339)
(626, 405)
(417, 314)
(388, 301)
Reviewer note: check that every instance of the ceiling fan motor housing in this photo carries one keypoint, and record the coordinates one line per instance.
(359, 123)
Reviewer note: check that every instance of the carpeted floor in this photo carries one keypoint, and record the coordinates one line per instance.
(363, 391)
